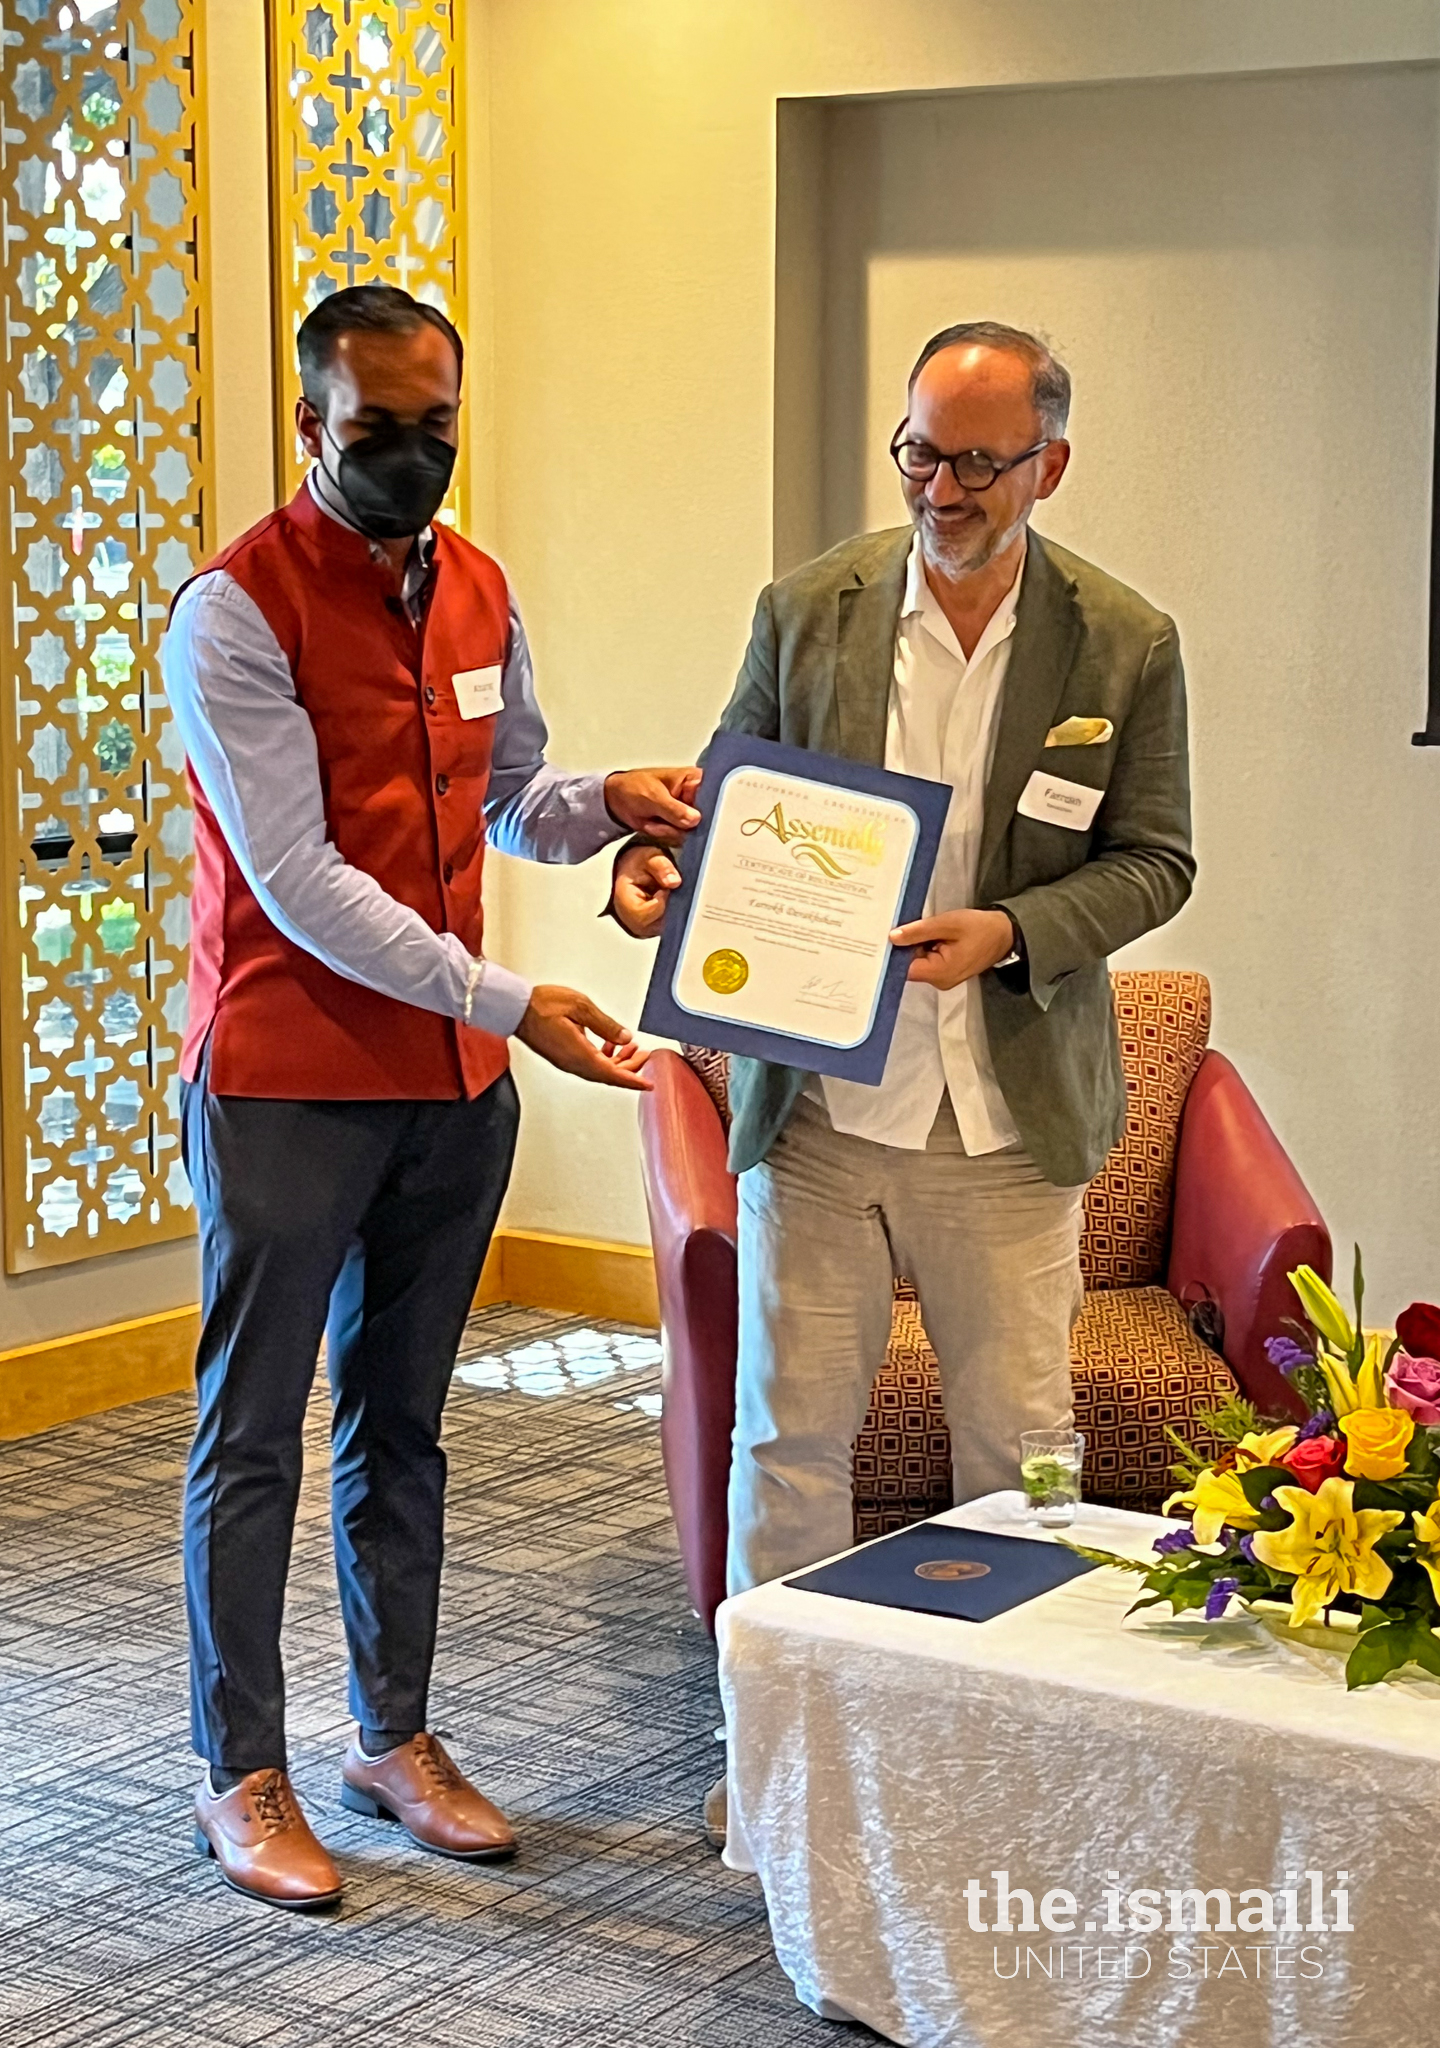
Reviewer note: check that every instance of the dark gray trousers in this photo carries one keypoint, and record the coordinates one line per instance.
(367, 1222)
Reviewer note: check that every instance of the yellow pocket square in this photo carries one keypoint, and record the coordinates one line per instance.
(1080, 732)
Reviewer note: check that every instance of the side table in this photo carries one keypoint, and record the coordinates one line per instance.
(999, 1835)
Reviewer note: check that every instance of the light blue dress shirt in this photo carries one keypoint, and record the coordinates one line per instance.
(252, 749)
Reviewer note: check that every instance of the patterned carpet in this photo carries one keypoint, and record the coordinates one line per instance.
(572, 1678)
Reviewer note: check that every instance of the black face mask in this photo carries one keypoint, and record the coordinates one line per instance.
(394, 480)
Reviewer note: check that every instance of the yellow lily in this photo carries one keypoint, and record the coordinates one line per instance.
(1427, 1548)
(1370, 1380)
(1344, 1394)
(1329, 1546)
(1323, 1308)
(1215, 1499)
(1264, 1447)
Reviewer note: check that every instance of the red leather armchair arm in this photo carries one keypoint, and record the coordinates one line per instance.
(1244, 1219)
(690, 1193)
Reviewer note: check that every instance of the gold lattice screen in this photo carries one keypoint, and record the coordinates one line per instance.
(367, 152)
(105, 488)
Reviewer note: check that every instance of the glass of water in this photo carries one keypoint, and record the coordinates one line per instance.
(1050, 1462)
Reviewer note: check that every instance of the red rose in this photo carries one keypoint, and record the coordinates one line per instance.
(1314, 1460)
(1419, 1329)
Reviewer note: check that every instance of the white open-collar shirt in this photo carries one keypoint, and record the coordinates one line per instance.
(943, 718)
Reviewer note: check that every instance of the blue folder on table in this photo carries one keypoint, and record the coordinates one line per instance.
(930, 1568)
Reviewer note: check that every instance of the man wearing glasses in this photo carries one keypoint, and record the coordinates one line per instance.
(967, 649)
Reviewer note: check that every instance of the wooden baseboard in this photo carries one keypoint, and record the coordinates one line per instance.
(42, 1385)
(45, 1384)
(582, 1275)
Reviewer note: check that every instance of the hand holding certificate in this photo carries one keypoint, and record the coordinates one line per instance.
(778, 941)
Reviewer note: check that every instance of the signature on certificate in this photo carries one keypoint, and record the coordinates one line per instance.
(820, 988)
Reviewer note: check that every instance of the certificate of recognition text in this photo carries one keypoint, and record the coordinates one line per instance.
(800, 887)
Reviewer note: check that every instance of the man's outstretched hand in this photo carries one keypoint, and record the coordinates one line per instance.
(655, 801)
(556, 1026)
(955, 946)
(643, 880)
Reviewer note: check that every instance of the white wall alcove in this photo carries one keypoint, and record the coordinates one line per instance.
(1241, 274)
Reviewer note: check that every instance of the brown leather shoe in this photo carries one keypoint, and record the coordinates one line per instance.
(420, 1786)
(263, 1843)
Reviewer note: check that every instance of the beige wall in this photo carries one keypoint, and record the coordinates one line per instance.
(622, 306)
(633, 150)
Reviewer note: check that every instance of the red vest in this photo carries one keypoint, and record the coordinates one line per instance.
(404, 779)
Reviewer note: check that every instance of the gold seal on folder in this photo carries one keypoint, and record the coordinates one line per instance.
(726, 971)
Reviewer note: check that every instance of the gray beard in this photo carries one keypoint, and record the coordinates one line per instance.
(961, 558)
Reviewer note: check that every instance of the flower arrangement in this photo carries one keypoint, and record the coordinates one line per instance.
(1337, 1515)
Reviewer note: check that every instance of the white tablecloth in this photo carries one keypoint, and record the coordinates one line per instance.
(879, 1760)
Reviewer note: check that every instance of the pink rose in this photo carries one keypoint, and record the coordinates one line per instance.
(1414, 1385)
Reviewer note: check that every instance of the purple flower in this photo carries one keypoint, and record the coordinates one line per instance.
(1247, 1550)
(1320, 1424)
(1175, 1539)
(1218, 1598)
(1269, 1501)
(1285, 1354)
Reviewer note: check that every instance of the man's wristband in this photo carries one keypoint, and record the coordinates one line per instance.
(1014, 970)
(1016, 956)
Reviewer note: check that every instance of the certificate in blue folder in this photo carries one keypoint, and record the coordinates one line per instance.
(777, 943)
(931, 1568)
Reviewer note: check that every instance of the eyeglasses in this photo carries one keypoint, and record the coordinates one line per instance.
(972, 468)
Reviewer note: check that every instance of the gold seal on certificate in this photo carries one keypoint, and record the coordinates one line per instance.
(777, 944)
(726, 971)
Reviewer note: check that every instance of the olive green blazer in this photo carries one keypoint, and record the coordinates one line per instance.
(817, 673)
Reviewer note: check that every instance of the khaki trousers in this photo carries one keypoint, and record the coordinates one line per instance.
(827, 1222)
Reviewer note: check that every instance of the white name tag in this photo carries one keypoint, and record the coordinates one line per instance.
(477, 691)
(1056, 802)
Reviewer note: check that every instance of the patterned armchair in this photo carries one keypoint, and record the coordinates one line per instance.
(1194, 1222)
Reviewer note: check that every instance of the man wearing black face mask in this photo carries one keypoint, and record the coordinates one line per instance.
(355, 694)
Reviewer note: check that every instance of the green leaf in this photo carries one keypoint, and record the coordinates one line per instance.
(1378, 1652)
(1402, 1492)
(1262, 1480)
(1309, 1383)
(1420, 1455)
(1233, 1419)
(1110, 1557)
(1424, 1647)
(1386, 1645)
(1355, 1357)
(1043, 1476)
(1192, 1589)
(1191, 1460)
